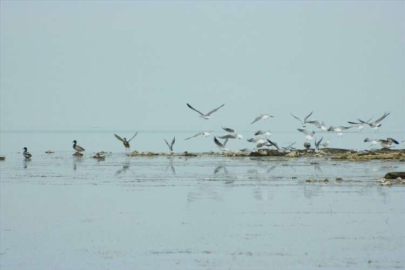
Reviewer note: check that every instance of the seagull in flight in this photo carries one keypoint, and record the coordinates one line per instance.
(231, 134)
(204, 133)
(289, 147)
(124, 141)
(263, 132)
(320, 125)
(208, 115)
(317, 144)
(171, 145)
(309, 135)
(376, 124)
(219, 144)
(305, 119)
(339, 130)
(360, 124)
(262, 117)
(384, 143)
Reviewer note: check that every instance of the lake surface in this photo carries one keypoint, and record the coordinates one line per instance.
(62, 212)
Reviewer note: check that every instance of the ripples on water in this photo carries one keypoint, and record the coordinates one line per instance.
(61, 212)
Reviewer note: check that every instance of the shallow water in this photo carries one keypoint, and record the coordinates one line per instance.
(62, 212)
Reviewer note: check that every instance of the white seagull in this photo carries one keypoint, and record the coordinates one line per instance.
(208, 115)
(384, 143)
(360, 124)
(204, 133)
(262, 117)
(320, 125)
(376, 124)
(309, 135)
(305, 119)
(232, 134)
(339, 130)
(263, 132)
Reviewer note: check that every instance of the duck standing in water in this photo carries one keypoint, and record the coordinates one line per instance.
(77, 147)
(26, 154)
(124, 141)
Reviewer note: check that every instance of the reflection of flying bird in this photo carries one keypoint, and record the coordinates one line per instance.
(26, 154)
(305, 119)
(204, 133)
(208, 115)
(124, 141)
(262, 117)
(171, 145)
(384, 143)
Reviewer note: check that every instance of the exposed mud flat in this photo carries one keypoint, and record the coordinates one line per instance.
(334, 153)
(199, 212)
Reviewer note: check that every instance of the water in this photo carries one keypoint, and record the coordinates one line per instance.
(210, 212)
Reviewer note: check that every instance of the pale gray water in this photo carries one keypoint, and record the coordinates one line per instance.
(61, 212)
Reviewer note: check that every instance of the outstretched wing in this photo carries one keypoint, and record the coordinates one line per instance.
(173, 141)
(257, 119)
(214, 110)
(297, 119)
(194, 109)
(118, 137)
(393, 140)
(381, 118)
(228, 129)
(218, 143)
(306, 118)
(133, 136)
(168, 145)
(273, 144)
(228, 136)
(198, 134)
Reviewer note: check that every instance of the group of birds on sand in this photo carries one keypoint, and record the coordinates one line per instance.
(261, 137)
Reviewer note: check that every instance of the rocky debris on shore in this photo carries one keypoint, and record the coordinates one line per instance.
(333, 153)
(2, 158)
(77, 154)
(384, 154)
(312, 180)
(100, 155)
(395, 175)
(393, 178)
(49, 152)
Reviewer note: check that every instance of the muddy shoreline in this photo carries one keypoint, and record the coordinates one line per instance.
(332, 153)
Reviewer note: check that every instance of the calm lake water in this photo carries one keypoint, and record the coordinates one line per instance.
(210, 212)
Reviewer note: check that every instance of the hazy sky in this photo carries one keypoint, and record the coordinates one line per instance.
(135, 65)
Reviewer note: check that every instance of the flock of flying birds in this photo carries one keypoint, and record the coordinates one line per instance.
(261, 137)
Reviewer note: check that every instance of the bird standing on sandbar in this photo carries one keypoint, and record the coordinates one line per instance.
(77, 147)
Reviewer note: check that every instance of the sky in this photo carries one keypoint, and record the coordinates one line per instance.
(133, 65)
